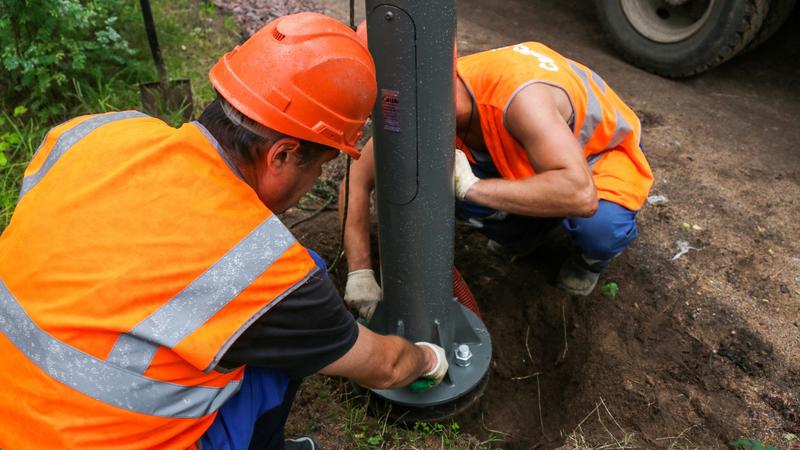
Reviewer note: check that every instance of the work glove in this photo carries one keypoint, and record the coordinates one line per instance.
(434, 376)
(463, 178)
(362, 292)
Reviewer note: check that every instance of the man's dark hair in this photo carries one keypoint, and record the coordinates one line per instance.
(243, 145)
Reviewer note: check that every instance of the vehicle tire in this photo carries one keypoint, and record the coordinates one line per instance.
(680, 38)
(779, 12)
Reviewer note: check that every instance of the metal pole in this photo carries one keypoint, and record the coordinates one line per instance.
(413, 44)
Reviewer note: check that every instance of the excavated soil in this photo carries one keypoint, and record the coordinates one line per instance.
(695, 350)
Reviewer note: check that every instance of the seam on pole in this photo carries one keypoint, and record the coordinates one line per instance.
(225, 157)
(102, 381)
(594, 114)
(67, 140)
(255, 317)
(205, 296)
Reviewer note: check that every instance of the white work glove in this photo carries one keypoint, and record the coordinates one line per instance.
(439, 369)
(463, 178)
(362, 292)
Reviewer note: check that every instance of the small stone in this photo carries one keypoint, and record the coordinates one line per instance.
(697, 227)
(733, 332)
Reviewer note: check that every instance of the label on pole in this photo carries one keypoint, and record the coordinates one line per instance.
(390, 106)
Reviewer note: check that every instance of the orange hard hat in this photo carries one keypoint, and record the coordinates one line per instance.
(305, 75)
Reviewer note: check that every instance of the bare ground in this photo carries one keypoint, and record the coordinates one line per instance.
(693, 351)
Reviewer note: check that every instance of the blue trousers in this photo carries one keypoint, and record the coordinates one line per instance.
(599, 238)
(255, 417)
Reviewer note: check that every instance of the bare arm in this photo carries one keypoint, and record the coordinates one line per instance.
(356, 232)
(563, 184)
(382, 362)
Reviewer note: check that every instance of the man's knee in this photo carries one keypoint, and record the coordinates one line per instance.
(606, 234)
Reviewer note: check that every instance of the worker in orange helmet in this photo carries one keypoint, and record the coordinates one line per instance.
(541, 141)
(149, 295)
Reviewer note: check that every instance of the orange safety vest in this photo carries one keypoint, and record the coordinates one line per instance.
(135, 258)
(605, 127)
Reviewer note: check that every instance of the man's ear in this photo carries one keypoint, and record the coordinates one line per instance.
(281, 152)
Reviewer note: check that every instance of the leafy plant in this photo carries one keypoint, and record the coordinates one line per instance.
(45, 45)
(610, 290)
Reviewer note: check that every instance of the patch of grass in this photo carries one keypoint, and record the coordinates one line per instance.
(193, 34)
(341, 418)
(20, 135)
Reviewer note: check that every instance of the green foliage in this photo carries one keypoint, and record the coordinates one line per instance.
(64, 58)
(48, 45)
(750, 444)
(20, 135)
(610, 290)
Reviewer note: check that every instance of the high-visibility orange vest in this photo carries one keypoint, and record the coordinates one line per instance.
(135, 258)
(605, 127)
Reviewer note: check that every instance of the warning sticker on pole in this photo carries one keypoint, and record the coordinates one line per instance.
(390, 106)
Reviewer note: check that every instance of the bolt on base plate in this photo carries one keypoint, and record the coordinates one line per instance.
(460, 379)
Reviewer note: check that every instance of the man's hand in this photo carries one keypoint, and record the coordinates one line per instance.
(438, 363)
(463, 178)
(362, 292)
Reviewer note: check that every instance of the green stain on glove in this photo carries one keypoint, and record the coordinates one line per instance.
(421, 385)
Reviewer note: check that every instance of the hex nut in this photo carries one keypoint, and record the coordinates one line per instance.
(463, 356)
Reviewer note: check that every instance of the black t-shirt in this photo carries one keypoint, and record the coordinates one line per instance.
(301, 334)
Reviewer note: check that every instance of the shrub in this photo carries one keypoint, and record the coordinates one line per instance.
(48, 46)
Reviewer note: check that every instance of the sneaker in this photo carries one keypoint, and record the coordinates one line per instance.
(302, 443)
(575, 277)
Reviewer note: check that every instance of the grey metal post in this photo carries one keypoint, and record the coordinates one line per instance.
(413, 42)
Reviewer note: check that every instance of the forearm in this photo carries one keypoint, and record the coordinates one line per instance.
(382, 362)
(549, 194)
(357, 228)
(406, 361)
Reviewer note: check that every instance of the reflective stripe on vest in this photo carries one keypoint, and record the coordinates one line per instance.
(67, 140)
(102, 381)
(204, 297)
(119, 380)
(594, 113)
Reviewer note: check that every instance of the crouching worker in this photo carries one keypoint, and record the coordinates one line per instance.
(149, 295)
(542, 141)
